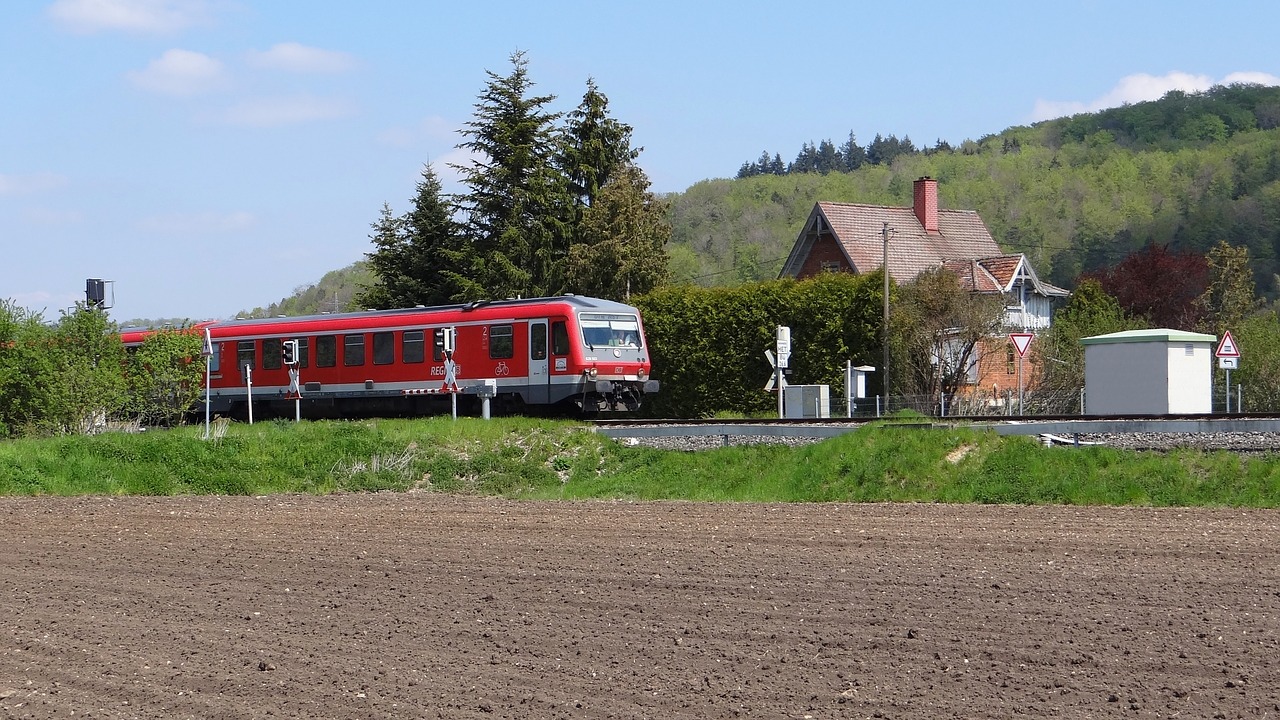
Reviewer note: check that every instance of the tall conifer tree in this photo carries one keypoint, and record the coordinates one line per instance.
(517, 206)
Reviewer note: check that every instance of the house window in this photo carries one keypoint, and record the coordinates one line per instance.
(830, 266)
(1010, 359)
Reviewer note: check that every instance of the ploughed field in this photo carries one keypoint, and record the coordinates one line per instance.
(423, 605)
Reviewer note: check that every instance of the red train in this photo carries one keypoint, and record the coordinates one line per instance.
(555, 354)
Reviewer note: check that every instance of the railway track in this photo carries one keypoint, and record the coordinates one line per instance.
(1237, 433)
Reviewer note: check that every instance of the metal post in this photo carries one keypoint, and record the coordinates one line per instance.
(848, 388)
(248, 386)
(1020, 411)
(208, 381)
(1228, 393)
(779, 379)
(884, 265)
(1239, 398)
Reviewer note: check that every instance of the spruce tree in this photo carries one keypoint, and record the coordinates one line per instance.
(593, 145)
(419, 257)
(518, 207)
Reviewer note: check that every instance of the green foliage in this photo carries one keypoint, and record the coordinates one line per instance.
(621, 239)
(559, 460)
(67, 378)
(708, 344)
(517, 206)
(418, 258)
(936, 327)
(336, 291)
(1230, 295)
(1056, 191)
(1089, 312)
(165, 377)
(1258, 337)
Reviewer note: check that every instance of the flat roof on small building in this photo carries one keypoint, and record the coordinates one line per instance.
(1152, 335)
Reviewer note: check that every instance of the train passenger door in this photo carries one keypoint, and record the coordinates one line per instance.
(539, 377)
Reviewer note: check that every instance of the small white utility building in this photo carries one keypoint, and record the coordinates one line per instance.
(1148, 372)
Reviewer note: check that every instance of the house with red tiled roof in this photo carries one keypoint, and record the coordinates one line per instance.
(852, 237)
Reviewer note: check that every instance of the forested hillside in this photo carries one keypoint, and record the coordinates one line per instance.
(1075, 194)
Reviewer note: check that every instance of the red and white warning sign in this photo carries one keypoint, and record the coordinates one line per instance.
(1021, 341)
(1227, 348)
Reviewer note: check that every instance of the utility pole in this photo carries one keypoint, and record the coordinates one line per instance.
(884, 266)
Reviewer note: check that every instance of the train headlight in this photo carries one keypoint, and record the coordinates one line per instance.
(642, 374)
(592, 373)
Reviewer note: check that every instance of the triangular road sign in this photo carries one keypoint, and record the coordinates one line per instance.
(1227, 348)
(1021, 341)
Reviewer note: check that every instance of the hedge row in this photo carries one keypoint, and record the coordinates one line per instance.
(707, 344)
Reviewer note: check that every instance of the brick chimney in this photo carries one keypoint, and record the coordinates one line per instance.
(925, 204)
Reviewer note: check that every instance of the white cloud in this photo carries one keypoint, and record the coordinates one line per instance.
(197, 223)
(146, 16)
(274, 112)
(294, 57)
(181, 73)
(1141, 88)
(39, 182)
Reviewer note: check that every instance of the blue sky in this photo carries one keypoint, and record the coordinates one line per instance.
(209, 156)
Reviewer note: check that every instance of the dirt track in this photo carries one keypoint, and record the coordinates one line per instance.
(390, 606)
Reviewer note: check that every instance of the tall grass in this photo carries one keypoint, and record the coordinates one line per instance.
(528, 458)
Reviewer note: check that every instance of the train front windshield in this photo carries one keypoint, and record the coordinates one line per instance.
(608, 330)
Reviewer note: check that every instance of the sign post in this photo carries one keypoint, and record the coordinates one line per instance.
(783, 348)
(777, 381)
(207, 352)
(1228, 355)
(1021, 341)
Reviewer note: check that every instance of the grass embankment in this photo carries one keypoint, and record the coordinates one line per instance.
(544, 459)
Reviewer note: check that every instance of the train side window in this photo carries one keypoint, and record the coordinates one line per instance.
(215, 360)
(437, 345)
(411, 347)
(559, 338)
(501, 344)
(353, 349)
(326, 350)
(538, 341)
(384, 348)
(302, 352)
(271, 354)
(246, 354)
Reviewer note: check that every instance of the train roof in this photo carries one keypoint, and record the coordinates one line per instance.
(483, 308)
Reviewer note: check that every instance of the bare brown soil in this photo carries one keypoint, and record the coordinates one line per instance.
(391, 606)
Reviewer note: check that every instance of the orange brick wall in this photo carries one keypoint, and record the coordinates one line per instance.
(824, 250)
(993, 369)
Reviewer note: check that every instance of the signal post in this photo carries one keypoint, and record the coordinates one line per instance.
(289, 356)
